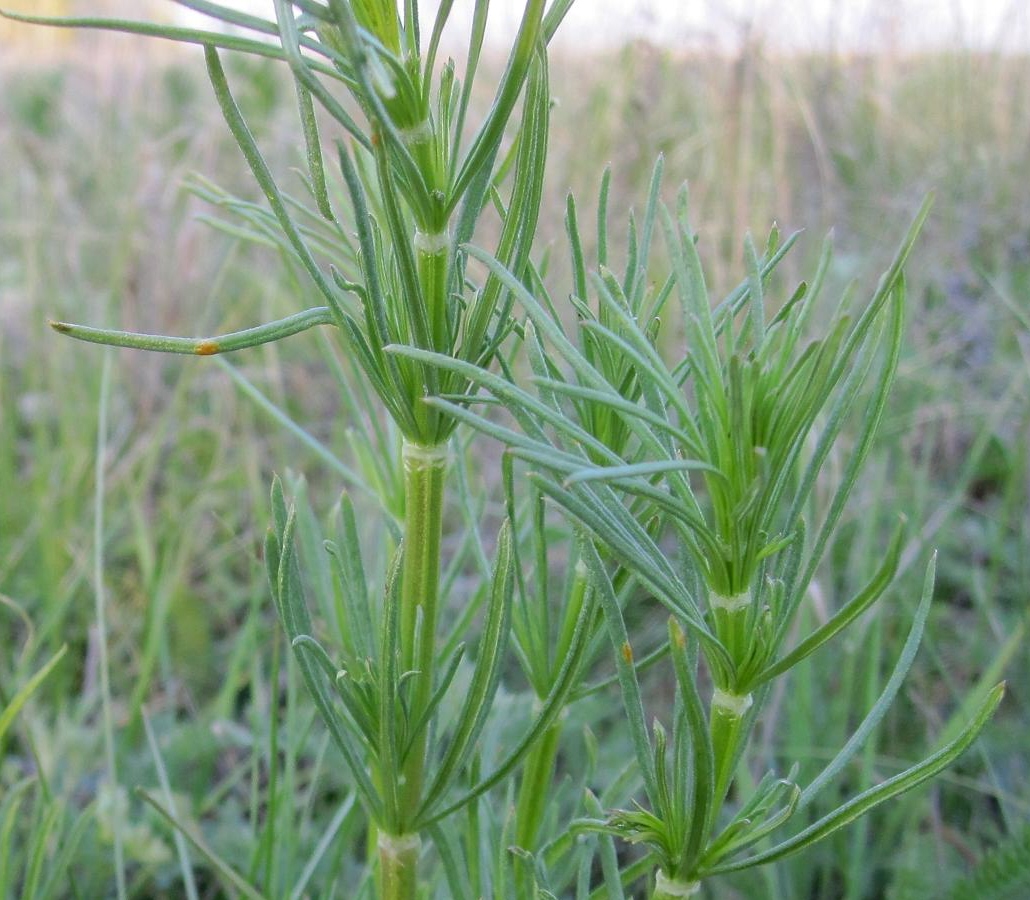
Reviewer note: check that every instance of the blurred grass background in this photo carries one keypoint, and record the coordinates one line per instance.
(96, 226)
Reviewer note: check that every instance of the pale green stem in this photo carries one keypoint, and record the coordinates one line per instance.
(433, 253)
(420, 580)
(533, 794)
(728, 712)
(728, 709)
(419, 141)
(731, 617)
(534, 797)
(398, 866)
(538, 769)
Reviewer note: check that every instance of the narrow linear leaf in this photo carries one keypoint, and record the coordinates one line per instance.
(609, 857)
(623, 650)
(313, 145)
(484, 145)
(60, 864)
(487, 675)
(552, 706)
(893, 787)
(450, 669)
(703, 769)
(238, 126)
(844, 617)
(151, 29)
(226, 343)
(610, 473)
(42, 837)
(297, 621)
(452, 857)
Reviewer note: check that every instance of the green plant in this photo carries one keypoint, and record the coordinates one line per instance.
(720, 453)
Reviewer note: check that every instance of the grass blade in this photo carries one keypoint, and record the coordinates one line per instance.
(26, 691)
(100, 611)
(221, 866)
(185, 867)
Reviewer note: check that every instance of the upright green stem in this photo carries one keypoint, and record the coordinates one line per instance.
(420, 577)
(398, 863)
(433, 253)
(538, 770)
(731, 619)
(536, 777)
(727, 717)
(728, 709)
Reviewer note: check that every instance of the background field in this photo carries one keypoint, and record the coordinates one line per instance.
(96, 226)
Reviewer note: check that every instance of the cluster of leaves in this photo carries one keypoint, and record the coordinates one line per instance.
(721, 451)
(717, 455)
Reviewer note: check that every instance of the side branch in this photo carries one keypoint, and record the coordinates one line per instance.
(226, 343)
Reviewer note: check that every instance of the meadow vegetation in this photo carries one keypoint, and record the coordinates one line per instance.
(133, 487)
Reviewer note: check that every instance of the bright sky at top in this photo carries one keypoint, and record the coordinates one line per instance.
(848, 25)
(789, 24)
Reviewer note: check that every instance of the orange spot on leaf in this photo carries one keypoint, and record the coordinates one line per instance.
(627, 653)
(207, 348)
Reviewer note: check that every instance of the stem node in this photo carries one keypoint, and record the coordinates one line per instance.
(666, 888)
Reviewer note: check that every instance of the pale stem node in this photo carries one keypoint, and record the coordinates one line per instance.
(732, 604)
(417, 134)
(669, 887)
(420, 456)
(399, 846)
(433, 243)
(732, 705)
(398, 863)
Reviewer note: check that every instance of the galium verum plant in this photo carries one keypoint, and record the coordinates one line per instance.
(718, 454)
(722, 453)
(417, 186)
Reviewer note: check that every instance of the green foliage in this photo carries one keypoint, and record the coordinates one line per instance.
(733, 485)
(1004, 872)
